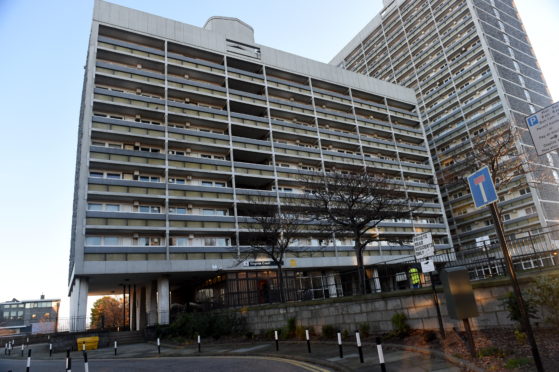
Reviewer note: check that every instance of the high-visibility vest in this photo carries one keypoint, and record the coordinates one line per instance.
(414, 275)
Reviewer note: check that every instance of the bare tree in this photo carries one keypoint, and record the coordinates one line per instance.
(353, 205)
(273, 228)
(512, 165)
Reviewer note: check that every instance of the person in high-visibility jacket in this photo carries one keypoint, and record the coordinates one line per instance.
(414, 277)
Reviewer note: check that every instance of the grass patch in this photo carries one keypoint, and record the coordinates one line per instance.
(513, 363)
(491, 351)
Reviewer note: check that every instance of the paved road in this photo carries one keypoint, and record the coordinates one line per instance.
(206, 364)
(252, 357)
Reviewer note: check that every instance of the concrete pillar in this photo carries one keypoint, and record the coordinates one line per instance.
(163, 300)
(151, 303)
(133, 304)
(78, 304)
(331, 281)
(140, 308)
(375, 282)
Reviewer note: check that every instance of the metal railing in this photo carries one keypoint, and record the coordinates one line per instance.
(484, 259)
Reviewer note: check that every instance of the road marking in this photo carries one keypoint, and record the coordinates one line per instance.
(304, 365)
(257, 347)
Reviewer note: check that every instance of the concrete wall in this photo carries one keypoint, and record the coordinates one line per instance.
(377, 311)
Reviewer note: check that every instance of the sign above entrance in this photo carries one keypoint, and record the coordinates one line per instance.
(258, 263)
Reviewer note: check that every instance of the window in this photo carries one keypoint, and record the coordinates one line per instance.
(213, 212)
(149, 241)
(180, 242)
(209, 242)
(149, 209)
(208, 212)
(110, 175)
(93, 240)
(216, 242)
(174, 210)
(102, 240)
(148, 178)
(112, 207)
(111, 240)
(179, 181)
(94, 207)
(213, 183)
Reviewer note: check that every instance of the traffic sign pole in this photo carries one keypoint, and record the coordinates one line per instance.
(525, 321)
(436, 301)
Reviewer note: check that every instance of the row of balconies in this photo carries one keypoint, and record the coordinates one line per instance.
(138, 98)
(191, 63)
(135, 72)
(368, 139)
(414, 134)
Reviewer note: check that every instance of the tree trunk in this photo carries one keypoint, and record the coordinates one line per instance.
(280, 283)
(360, 269)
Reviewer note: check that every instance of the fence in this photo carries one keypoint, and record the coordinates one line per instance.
(484, 259)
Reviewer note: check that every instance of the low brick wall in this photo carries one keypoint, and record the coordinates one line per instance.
(377, 310)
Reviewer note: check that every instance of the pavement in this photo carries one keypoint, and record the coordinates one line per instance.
(324, 356)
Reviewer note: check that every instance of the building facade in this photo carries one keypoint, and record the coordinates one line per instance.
(472, 67)
(30, 316)
(180, 126)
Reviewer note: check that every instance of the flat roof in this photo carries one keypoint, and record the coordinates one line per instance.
(149, 24)
(25, 301)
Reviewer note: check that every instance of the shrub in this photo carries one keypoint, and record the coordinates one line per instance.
(491, 351)
(400, 325)
(291, 327)
(520, 336)
(509, 301)
(545, 293)
(364, 329)
(207, 324)
(513, 363)
(328, 331)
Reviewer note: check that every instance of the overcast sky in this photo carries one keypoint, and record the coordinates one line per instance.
(44, 45)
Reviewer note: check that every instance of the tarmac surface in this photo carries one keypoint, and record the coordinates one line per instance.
(214, 356)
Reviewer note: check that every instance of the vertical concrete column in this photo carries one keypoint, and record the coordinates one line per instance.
(331, 281)
(151, 303)
(133, 304)
(140, 308)
(78, 304)
(376, 282)
(163, 300)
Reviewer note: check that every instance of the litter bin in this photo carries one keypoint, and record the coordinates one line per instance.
(91, 343)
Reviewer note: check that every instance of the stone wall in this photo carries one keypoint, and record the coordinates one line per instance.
(377, 310)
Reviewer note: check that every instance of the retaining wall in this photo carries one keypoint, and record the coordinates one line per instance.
(377, 310)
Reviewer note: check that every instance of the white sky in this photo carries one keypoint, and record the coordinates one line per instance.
(44, 45)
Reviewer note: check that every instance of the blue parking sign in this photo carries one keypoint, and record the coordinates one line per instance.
(482, 187)
(533, 120)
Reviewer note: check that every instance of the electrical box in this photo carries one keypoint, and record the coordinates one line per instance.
(460, 300)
